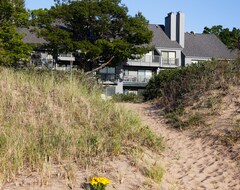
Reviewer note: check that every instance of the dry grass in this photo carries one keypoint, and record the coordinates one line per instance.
(154, 172)
(49, 117)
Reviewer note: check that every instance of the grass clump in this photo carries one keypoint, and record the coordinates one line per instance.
(52, 117)
(154, 172)
(130, 97)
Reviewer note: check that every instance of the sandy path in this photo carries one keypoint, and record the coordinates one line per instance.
(190, 164)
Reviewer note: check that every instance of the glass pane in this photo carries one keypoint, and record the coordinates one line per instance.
(104, 70)
(148, 73)
(172, 55)
(165, 55)
(141, 72)
(111, 70)
(133, 73)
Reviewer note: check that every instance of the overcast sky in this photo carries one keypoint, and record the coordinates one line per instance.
(198, 13)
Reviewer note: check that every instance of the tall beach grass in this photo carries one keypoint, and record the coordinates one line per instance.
(50, 117)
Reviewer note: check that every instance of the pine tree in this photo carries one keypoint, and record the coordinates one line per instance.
(12, 48)
(101, 32)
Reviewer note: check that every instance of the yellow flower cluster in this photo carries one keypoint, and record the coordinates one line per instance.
(99, 180)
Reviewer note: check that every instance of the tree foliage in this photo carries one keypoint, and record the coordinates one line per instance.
(98, 30)
(12, 48)
(230, 38)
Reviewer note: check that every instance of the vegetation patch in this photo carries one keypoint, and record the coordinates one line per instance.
(179, 88)
(130, 97)
(48, 117)
(154, 172)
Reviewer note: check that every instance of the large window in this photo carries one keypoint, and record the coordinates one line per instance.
(108, 70)
(108, 74)
(169, 57)
(137, 75)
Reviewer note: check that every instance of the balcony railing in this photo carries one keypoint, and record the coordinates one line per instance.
(136, 79)
(147, 60)
(170, 62)
(66, 57)
(108, 77)
(153, 61)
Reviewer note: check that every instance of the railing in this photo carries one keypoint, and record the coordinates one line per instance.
(147, 60)
(136, 79)
(154, 61)
(170, 62)
(108, 77)
(66, 57)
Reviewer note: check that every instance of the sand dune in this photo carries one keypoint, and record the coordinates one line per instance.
(191, 163)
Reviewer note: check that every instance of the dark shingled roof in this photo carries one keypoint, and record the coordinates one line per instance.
(30, 37)
(205, 46)
(160, 39)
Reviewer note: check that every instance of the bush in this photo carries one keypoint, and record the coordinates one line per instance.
(172, 87)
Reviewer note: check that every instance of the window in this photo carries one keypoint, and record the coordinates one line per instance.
(144, 75)
(194, 61)
(169, 57)
(107, 70)
(108, 74)
(137, 76)
(156, 57)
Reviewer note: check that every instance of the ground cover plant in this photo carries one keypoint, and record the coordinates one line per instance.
(130, 97)
(51, 117)
(176, 89)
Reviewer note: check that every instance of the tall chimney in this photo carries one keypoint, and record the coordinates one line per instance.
(170, 26)
(180, 29)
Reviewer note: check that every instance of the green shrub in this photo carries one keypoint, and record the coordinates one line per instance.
(176, 87)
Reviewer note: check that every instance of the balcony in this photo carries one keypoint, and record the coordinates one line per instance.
(108, 78)
(153, 61)
(146, 61)
(66, 57)
(173, 62)
(135, 80)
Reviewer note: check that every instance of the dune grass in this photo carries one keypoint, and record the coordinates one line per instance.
(47, 116)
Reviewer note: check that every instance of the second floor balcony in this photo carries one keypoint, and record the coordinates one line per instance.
(108, 78)
(129, 80)
(66, 57)
(154, 61)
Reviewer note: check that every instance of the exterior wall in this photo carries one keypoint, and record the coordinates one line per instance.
(119, 88)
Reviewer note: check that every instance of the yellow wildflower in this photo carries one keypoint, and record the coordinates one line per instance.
(96, 181)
